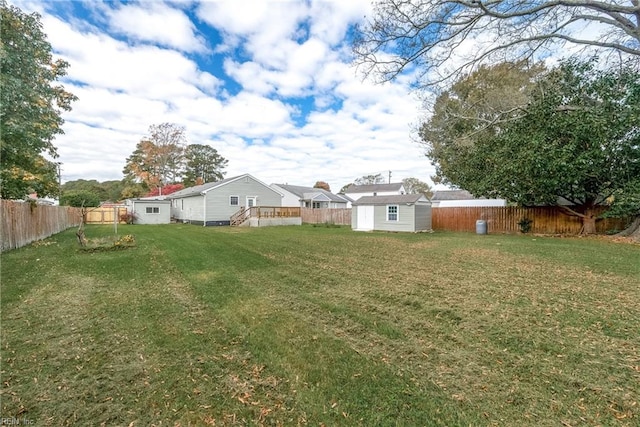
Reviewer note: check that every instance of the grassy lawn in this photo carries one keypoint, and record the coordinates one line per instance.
(321, 326)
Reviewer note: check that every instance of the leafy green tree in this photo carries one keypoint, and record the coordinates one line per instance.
(204, 162)
(112, 189)
(416, 186)
(370, 179)
(625, 202)
(473, 109)
(345, 188)
(133, 190)
(31, 105)
(107, 190)
(91, 186)
(80, 198)
(577, 139)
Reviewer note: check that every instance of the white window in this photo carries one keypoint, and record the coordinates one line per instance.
(316, 205)
(153, 210)
(392, 212)
(234, 200)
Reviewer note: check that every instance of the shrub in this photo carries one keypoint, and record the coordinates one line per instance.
(525, 225)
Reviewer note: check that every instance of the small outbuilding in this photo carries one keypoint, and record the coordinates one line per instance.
(149, 210)
(402, 212)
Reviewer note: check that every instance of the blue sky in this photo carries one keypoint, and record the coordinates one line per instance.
(269, 84)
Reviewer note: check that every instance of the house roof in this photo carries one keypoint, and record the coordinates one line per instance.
(199, 190)
(311, 193)
(393, 199)
(373, 188)
(452, 195)
(153, 201)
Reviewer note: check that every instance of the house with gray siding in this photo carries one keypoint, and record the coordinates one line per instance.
(402, 212)
(214, 203)
(310, 197)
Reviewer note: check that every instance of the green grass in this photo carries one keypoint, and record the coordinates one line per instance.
(321, 326)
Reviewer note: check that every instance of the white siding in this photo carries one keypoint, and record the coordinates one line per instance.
(142, 217)
(289, 199)
(188, 208)
(469, 203)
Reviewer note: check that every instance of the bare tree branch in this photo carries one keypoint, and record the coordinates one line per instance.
(430, 37)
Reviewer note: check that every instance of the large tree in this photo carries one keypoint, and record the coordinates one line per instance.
(203, 164)
(158, 157)
(474, 108)
(31, 106)
(416, 186)
(440, 39)
(370, 179)
(577, 139)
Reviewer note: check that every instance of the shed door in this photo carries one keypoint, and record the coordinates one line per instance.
(365, 218)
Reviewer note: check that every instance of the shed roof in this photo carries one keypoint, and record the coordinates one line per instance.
(396, 198)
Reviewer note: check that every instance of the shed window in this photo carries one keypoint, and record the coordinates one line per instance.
(234, 200)
(153, 210)
(392, 212)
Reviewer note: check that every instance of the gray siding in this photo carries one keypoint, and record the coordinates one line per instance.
(423, 217)
(218, 205)
(406, 219)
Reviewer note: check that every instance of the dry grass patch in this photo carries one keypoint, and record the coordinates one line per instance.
(314, 325)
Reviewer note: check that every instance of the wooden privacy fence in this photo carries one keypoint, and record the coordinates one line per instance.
(23, 222)
(544, 220)
(324, 216)
(104, 215)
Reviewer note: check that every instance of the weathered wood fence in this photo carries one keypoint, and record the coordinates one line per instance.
(544, 220)
(326, 216)
(104, 215)
(23, 222)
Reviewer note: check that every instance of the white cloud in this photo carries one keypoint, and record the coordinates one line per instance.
(149, 23)
(278, 52)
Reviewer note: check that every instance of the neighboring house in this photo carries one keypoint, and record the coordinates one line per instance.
(461, 198)
(355, 192)
(309, 197)
(214, 203)
(149, 210)
(406, 212)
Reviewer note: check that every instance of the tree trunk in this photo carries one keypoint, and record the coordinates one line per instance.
(588, 223)
(632, 231)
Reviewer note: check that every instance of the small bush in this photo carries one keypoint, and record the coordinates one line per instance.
(525, 225)
(128, 217)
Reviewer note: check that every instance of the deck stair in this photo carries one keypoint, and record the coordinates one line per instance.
(240, 217)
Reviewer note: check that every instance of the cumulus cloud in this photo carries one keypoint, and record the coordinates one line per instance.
(149, 23)
(277, 98)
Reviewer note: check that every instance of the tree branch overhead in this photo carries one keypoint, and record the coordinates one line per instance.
(440, 40)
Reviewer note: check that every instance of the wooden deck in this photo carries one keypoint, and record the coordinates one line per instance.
(263, 212)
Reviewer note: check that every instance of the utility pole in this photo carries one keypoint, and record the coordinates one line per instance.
(389, 177)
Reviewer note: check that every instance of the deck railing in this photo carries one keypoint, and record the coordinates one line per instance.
(274, 212)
